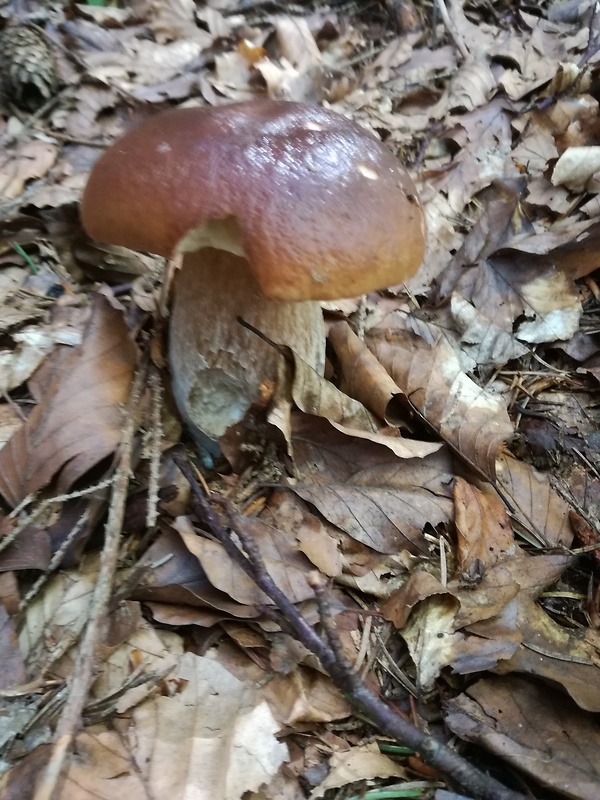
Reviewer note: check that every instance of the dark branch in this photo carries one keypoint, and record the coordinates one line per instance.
(332, 657)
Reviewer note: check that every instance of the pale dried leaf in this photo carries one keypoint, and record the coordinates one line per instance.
(10, 422)
(32, 160)
(54, 620)
(361, 763)
(576, 166)
(215, 737)
(33, 345)
(484, 340)
(485, 139)
(12, 664)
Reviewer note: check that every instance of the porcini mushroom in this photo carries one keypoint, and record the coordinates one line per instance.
(274, 206)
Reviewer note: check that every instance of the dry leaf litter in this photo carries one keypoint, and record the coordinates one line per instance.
(442, 480)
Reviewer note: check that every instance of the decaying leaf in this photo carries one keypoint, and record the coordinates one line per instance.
(473, 421)
(576, 166)
(360, 763)
(33, 160)
(12, 665)
(367, 491)
(173, 576)
(178, 737)
(534, 728)
(213, 739)
(79, 419)
(483, 530)
(285, 565)
(536, 505)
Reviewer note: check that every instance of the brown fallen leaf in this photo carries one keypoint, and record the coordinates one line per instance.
(567, 658)
(537, 507)
(362, 376)
(483, 530)
(317, 539)
(576, 166)
(313, 394)
(534, 728)
(213, 739)
(20, 781)
(55, 619)
(303, 696)
(499, 221)
(495, 624)
(473, 421)
(286, 566)
(173, 575)
(366, 490)
(79, 419)
(485, 139)
(9, 592)
(178, 737)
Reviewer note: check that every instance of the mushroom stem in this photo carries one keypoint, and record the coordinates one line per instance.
(217, 365)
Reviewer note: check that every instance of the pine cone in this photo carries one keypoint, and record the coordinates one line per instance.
(27, 69)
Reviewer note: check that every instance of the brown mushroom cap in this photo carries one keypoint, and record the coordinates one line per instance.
(324, 209)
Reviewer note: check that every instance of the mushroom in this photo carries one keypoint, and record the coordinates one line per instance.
(274, 206)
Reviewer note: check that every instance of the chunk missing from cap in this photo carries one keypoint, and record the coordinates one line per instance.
(270, 203)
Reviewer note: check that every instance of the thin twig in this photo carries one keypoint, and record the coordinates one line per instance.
(156, 435)
(332, 658)
(452, 30)
(55, 560)
(71, 717)
(38, 510)
(593, 44)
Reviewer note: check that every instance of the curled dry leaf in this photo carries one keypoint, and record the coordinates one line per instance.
(534, 728)
(470, 419)
(286, 566)
(471, 87)
(576, 166)
(496, 624)
(434, 642)
(556, 654)
(79, 419)
(313, 394)
(362, 375)
(174, 578)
